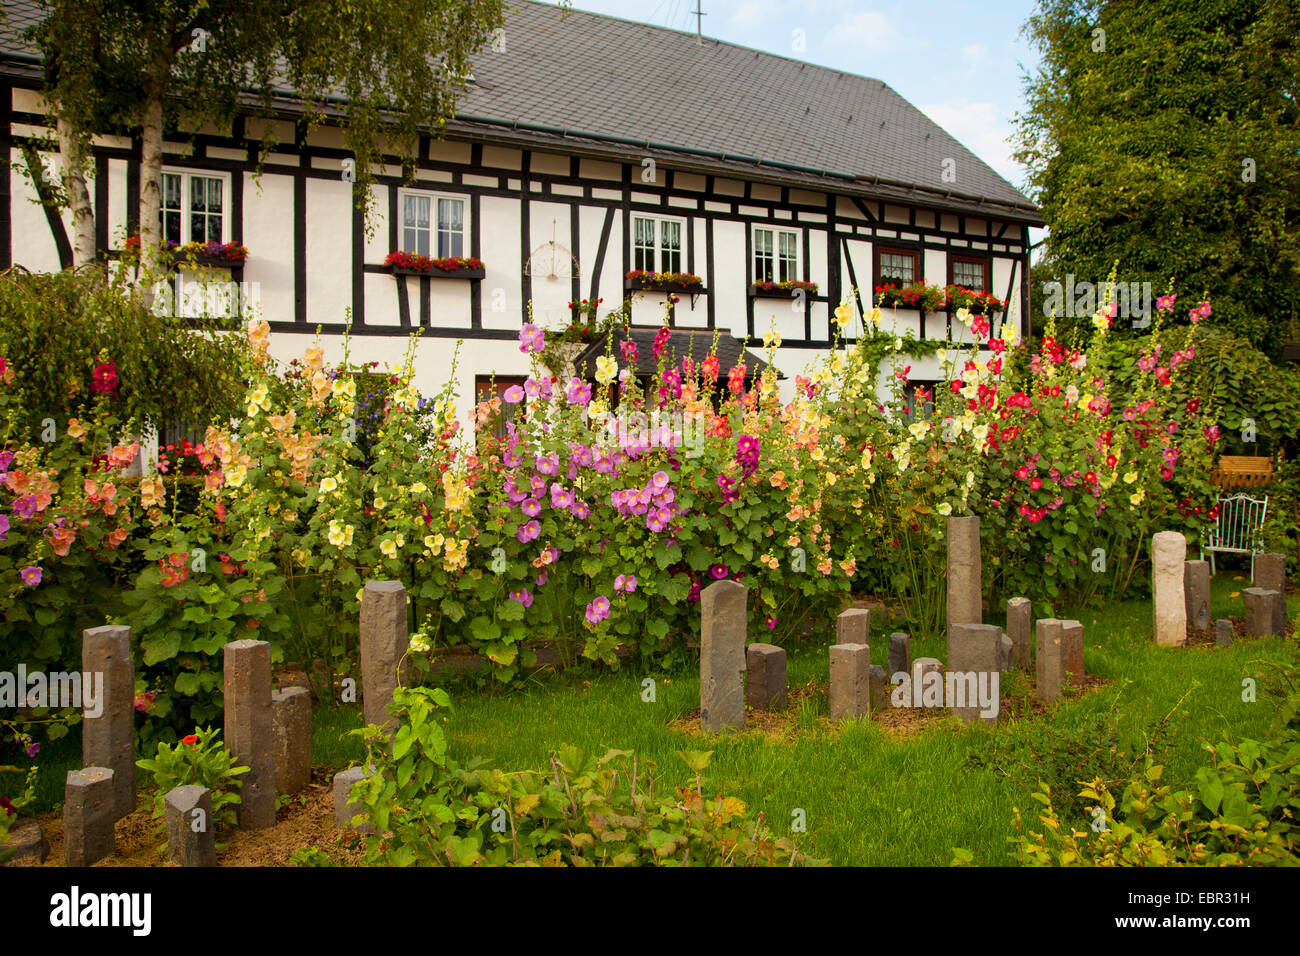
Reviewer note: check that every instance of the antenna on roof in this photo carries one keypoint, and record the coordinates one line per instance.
(699, 21)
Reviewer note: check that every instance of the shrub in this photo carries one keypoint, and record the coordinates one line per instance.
(200, 759)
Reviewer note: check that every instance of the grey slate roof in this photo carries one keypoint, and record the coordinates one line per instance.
(596, 80)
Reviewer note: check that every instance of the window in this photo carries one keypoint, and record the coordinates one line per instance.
(432, 225)
(193, 207)
(487, 387)
(918, 400)
(776, 255)
(657, 244)
(897, 266)
(970, 272)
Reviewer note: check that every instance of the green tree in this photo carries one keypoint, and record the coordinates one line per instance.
(1165, 136)
(387, 71)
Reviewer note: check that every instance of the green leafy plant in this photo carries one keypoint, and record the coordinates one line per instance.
(200, 759)
(582, 811)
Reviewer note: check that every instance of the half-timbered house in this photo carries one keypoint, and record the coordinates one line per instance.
(587, 148)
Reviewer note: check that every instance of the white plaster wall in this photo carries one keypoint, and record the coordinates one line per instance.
(329, 250)
(268, 234)
(502, 286)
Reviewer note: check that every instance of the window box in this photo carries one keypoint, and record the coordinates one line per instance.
(933, 298)
(226, 254)
(447, 267)
(781, 290)
(639, 279)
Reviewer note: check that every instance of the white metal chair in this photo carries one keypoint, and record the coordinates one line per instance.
(1238, 529)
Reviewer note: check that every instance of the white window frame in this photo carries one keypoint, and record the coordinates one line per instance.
(776, 232)
(186, 175)
(659, 235)
(433, 197)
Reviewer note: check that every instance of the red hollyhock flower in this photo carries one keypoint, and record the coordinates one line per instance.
(104, 379)
(190, 741)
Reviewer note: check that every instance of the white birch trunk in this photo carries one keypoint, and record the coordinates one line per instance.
(73, 159)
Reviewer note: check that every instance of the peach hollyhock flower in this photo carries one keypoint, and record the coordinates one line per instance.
(123, 455)
(115, 537)
(61, 541)
(849, 566)
(18, 482)
(824, 566)
(778, 480)
(314, 358)
(76, 429)
(151, 492)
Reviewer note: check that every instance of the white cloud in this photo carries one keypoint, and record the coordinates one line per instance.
(868, 31)
(978, 127)
(975, 53)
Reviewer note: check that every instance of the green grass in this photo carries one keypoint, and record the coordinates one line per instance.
(868, 798)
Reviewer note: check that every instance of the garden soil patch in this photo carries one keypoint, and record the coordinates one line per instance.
(307, 820)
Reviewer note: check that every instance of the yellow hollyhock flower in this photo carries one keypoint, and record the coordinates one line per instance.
(606, 369)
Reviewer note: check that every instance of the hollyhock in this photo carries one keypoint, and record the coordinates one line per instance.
(523, 596)
(578, 392)
(718, 571)
(629, 350)
(1165, 303)
(598, 610)
(528, 532)
(580, 510)
(104, 379)
(736, 379)
(31, 575)
(560, 497)
(531, 339)
(661, 342)
(625, 584)
(531, 507)
(548, 464)
(514, 394)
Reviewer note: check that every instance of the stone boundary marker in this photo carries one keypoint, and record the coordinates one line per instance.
(965, 574)
(1050, 659)
(974, 649)
(1270, 575)
(191, 836)
(248, 729)
(1168, 561)
(723, 625)
(88, 816)
(109, 739)
(1261, 612)
(1020, 615)
(27, 841)
(1196, 594)
(345, 811)
(850, 681)
(920, 682)
(900, 654)
(291, 725)
(384, 643)
(765, 680)
(879, 688)
(853, 626)
(1072, 649)
(1223, 632)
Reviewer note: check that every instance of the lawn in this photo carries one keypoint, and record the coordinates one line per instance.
(869, 794)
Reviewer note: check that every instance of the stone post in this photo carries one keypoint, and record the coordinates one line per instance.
(879, 688)
(1223, 632)
(965, 580)
(1270, 574)
(850, 681)
(1050, 655)
(1196, 593)
(1168, 554)
(900, 654)
(1261, 612)
(191, 834)
(88, 816)
(345, 810)
(975, 667)
(853, 626)
(1072, 642)
(724, 621)
(109, 739)
(927, 691)
(765, 687)
(383, 645)
(1020, 615)
(291, 722)
(249, 729)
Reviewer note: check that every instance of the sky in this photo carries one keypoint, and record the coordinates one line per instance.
(959, 63)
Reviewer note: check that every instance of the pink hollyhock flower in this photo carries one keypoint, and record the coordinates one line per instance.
(523, 596)
(718, 571)
(770, 621)
(541, 579)
(629, 351)
(709, 368)
(514, 394)
(580, 510)
(561, 498)
(548, 464)
(527, 532)
(531, 339)
(1022, 472)
(625, 584)
(578, 392)
(1035, 482)
(598, 610)
(1165, 303)
(31, 575)
(531, 507)
(661, 342)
